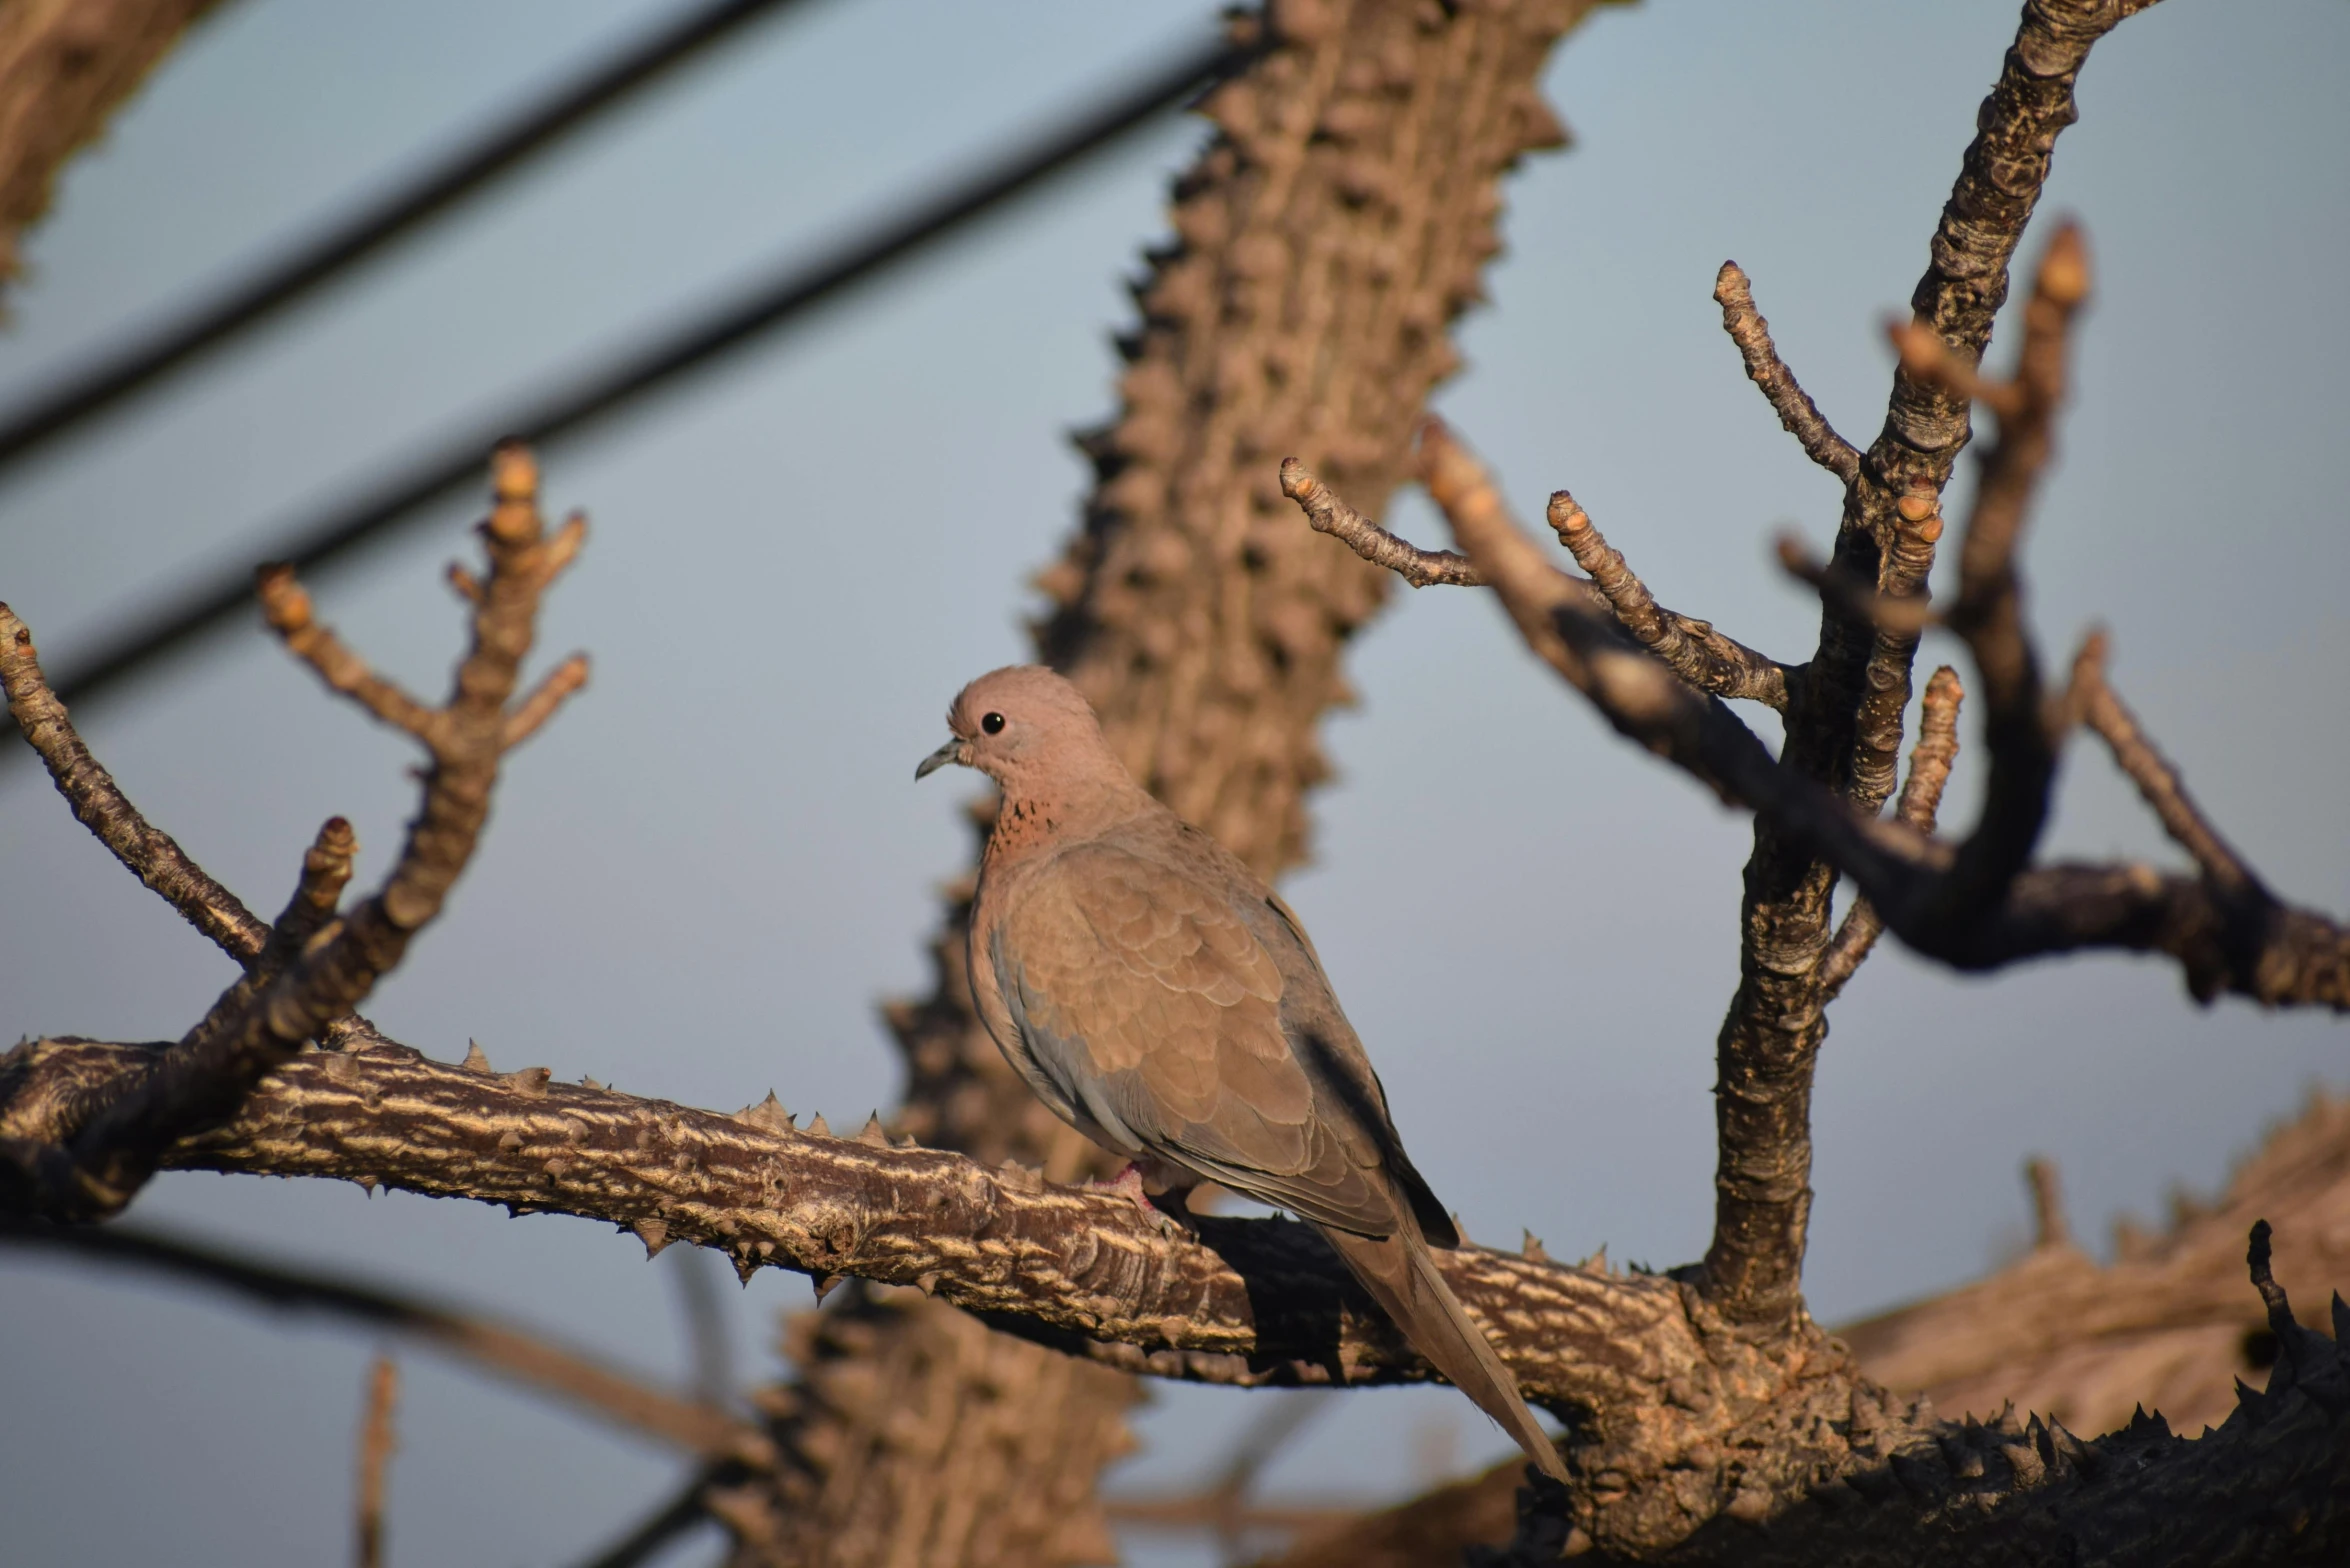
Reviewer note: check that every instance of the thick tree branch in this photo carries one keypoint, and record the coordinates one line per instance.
(1796, 411)
(1653, 1377)
(99, 804)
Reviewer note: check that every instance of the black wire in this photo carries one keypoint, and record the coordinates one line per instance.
(574, 400)
(82, 393)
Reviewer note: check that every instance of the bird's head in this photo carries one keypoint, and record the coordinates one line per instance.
(1029, 730)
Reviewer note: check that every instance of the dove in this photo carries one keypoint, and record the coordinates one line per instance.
(1164, 1001)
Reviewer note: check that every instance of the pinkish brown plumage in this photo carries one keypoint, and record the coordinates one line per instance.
(1165, 1002)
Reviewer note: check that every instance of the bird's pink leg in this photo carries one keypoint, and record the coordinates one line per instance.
(1158, 1189)
(1128, 1184)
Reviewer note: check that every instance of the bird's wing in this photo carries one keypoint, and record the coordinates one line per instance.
(1141, 987)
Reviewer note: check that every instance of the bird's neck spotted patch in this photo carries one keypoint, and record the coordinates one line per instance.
(1021, 825)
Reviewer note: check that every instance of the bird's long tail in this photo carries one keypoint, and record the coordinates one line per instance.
(1400, 1273)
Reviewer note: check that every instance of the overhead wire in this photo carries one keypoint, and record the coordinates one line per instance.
(81, 394)
(571, 401)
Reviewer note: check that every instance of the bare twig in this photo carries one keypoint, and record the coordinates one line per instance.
(1768, 372)
(550, 694)
(526, 1358)
(1691, 649)
(2159, 785)
(2049, 1226)
(377, 1439)
(698, 1279)
(285, 604)
(100, 805)
(1329, 515)
(254, 1026)
(1973, 905)
(1921, 799)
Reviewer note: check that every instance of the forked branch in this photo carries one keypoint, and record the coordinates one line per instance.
(312, 967)
(1976, 903)
(1690, 647)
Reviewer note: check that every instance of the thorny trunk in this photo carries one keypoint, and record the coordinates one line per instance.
(1325, 239)
(65, 66)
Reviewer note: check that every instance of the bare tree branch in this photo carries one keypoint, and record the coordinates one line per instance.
(1930, 761)
(1796, 411)
(377, 1439)
(99, 804)
(1974, 904)
(530, 1360)
(1691, 649)
(2160, 786)
(1329, 515)
(109, 1150)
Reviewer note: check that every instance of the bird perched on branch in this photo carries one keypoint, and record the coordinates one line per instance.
(1164, 1001)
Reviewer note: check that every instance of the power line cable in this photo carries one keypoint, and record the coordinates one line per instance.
(82, 393)
(571, 401)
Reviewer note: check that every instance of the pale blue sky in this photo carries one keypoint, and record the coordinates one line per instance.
(797, 560)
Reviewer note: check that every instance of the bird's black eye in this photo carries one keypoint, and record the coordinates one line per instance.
(993, 723)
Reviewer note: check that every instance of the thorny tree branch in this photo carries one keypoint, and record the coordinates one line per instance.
(316, 968)
(528, 1359)
(1796, 411)
(1647, 1370)
(1258, 1302)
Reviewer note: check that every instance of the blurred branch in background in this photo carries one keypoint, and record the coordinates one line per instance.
(65, 66)
(378, 1437)
(569, 401)
(698, 1276)
(523, 1357)
(83, 392)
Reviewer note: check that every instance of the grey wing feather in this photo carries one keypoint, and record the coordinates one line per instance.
(1147, 993)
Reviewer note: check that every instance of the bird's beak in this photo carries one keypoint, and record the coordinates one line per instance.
(952, 751)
